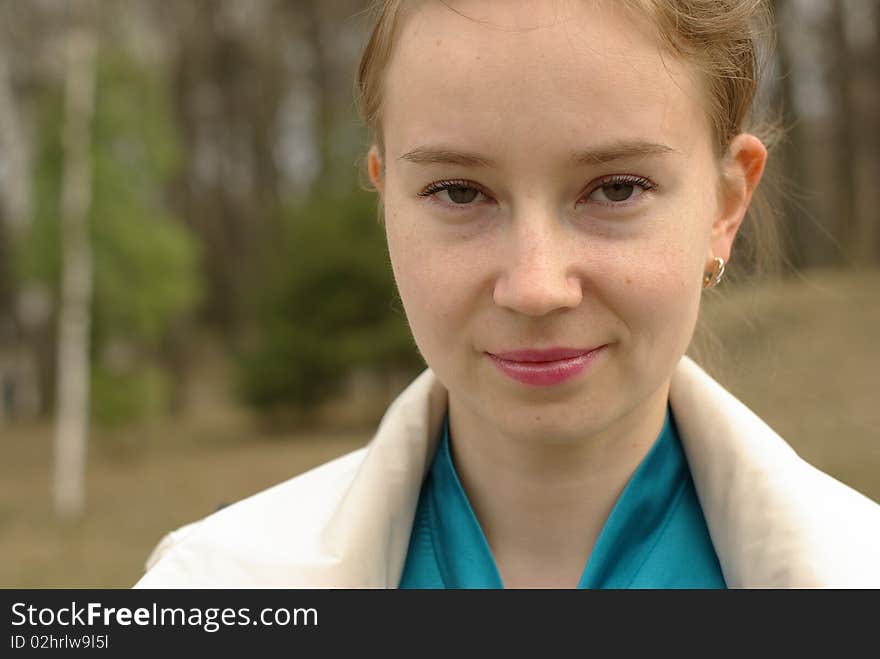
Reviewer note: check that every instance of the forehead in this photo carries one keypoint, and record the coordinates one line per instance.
(509, 75)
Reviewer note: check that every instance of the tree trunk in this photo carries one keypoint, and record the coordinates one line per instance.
(15, 213)
(798, 227)
(71, 438)
(15, 197)
(844, 148)
(321, 77)
(871, 241)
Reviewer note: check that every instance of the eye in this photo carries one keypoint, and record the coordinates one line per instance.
(620, 189)
(453, 193)
(617, 191)
(461, 195)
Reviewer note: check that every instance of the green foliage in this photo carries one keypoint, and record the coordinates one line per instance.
(117, 398)
(38, 254)
(145, 260)
(328, 306)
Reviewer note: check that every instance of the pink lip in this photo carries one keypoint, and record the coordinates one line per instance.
(545, 367)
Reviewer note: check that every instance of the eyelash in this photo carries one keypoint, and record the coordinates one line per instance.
(645, 184)
(440, 186)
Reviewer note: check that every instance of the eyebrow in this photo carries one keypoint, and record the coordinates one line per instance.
(599, 155)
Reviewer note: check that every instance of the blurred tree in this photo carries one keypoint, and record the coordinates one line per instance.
(269, 184)
(796, 222)
(71, 433)
(327, 308)
(146, 261)
(17, 378)
(869, 131)
(15, 179)
(844, 140)
(262, 96)
(228, 81)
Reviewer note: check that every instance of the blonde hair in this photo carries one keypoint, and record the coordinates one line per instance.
(728, 42)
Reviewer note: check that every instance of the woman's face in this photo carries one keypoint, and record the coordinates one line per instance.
(549, 182)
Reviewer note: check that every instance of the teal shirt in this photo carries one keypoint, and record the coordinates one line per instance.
(655, 536)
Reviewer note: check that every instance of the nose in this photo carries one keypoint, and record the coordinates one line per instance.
(539, 274)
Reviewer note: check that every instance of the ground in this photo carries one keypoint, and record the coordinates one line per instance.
(802, 353)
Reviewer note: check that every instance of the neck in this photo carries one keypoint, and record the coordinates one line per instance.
(542, 504)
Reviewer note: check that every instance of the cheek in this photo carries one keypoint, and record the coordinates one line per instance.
(411, 269)
(434, 281)
(668, 301)
(653, 287)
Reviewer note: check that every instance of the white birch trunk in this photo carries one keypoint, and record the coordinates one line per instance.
(71, 436)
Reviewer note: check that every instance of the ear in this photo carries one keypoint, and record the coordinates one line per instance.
(376, 170)
(743, 167)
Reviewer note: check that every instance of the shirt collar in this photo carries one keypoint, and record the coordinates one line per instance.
(465, 559)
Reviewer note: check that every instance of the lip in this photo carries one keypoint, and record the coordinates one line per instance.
(546, 367)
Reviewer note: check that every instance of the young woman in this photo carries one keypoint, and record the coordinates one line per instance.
(560, 180)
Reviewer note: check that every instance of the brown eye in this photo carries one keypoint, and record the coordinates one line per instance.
(461, 195)
(458, 193)
(618, 191)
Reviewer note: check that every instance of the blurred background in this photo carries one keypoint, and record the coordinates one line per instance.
(196, 300)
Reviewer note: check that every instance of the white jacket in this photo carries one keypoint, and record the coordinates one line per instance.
(775, 520)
